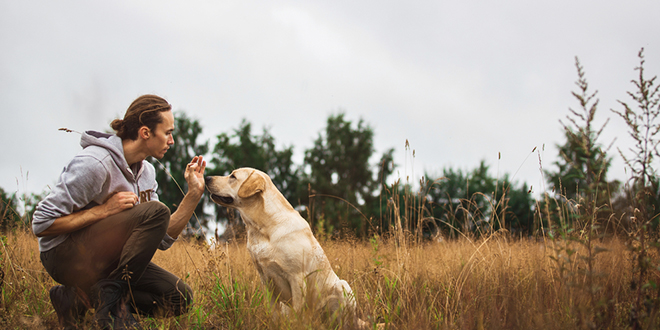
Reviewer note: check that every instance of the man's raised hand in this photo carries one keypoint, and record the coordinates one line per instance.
(194, 175)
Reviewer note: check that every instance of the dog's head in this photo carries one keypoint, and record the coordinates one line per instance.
(242, 184)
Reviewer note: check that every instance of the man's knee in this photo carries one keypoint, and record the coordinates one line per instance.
(158, 208)
(157, 211)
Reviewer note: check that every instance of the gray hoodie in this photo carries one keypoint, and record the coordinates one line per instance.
(95, 173)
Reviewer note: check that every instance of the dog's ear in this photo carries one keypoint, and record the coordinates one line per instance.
(252, 185)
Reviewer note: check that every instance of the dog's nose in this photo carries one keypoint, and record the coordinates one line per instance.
(207, 179)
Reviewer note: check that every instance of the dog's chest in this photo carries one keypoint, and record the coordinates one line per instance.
(257, 249)
(258, 245)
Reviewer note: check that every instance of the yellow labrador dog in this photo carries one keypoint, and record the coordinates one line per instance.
(290, 261)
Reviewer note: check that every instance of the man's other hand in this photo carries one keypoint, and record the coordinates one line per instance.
(118, 202)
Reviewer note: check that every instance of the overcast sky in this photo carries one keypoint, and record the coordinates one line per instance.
(462, 81)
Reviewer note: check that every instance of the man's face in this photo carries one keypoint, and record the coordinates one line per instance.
(161, 138)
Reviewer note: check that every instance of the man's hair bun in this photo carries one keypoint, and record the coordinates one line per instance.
(144, 111)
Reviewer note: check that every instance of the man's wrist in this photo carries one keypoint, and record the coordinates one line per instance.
(195, 194)
(98, 212)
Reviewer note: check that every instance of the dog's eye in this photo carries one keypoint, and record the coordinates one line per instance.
(232, 176)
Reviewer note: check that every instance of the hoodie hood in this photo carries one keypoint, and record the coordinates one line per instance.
(113, 144)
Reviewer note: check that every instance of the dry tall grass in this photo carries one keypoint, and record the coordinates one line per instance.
(490, 283)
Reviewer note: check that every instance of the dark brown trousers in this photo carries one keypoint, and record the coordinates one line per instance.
(120, 247)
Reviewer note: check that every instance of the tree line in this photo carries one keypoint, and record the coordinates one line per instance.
(342, 186)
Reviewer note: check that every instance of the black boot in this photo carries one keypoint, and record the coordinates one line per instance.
(112, 311)
(69, 307)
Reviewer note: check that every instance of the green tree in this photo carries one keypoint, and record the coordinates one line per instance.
(446, 195)
(476, 201)
(169, 170)
(30, 205)
(514, 206)
(583, 163)
(376, 202)
(339, 177)
(243, 149)
(9, 216)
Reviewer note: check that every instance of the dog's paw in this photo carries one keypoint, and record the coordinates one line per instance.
(362, 325)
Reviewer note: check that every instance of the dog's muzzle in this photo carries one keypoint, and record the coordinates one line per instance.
(222, 199)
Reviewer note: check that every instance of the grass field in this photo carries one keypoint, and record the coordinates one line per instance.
(488, 283)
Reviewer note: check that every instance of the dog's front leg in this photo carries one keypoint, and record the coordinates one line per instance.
(281, 311)
(298, 291)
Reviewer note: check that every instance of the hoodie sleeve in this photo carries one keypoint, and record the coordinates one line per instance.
(166, 243)
(79, 184)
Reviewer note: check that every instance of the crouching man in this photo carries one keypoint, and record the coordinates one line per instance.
(101, 224)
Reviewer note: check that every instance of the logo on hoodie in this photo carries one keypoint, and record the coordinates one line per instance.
(145, 196)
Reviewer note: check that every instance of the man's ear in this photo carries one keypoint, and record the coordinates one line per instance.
(144, 132)
(252, 185)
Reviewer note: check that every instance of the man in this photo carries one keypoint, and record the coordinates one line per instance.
(101, 224)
